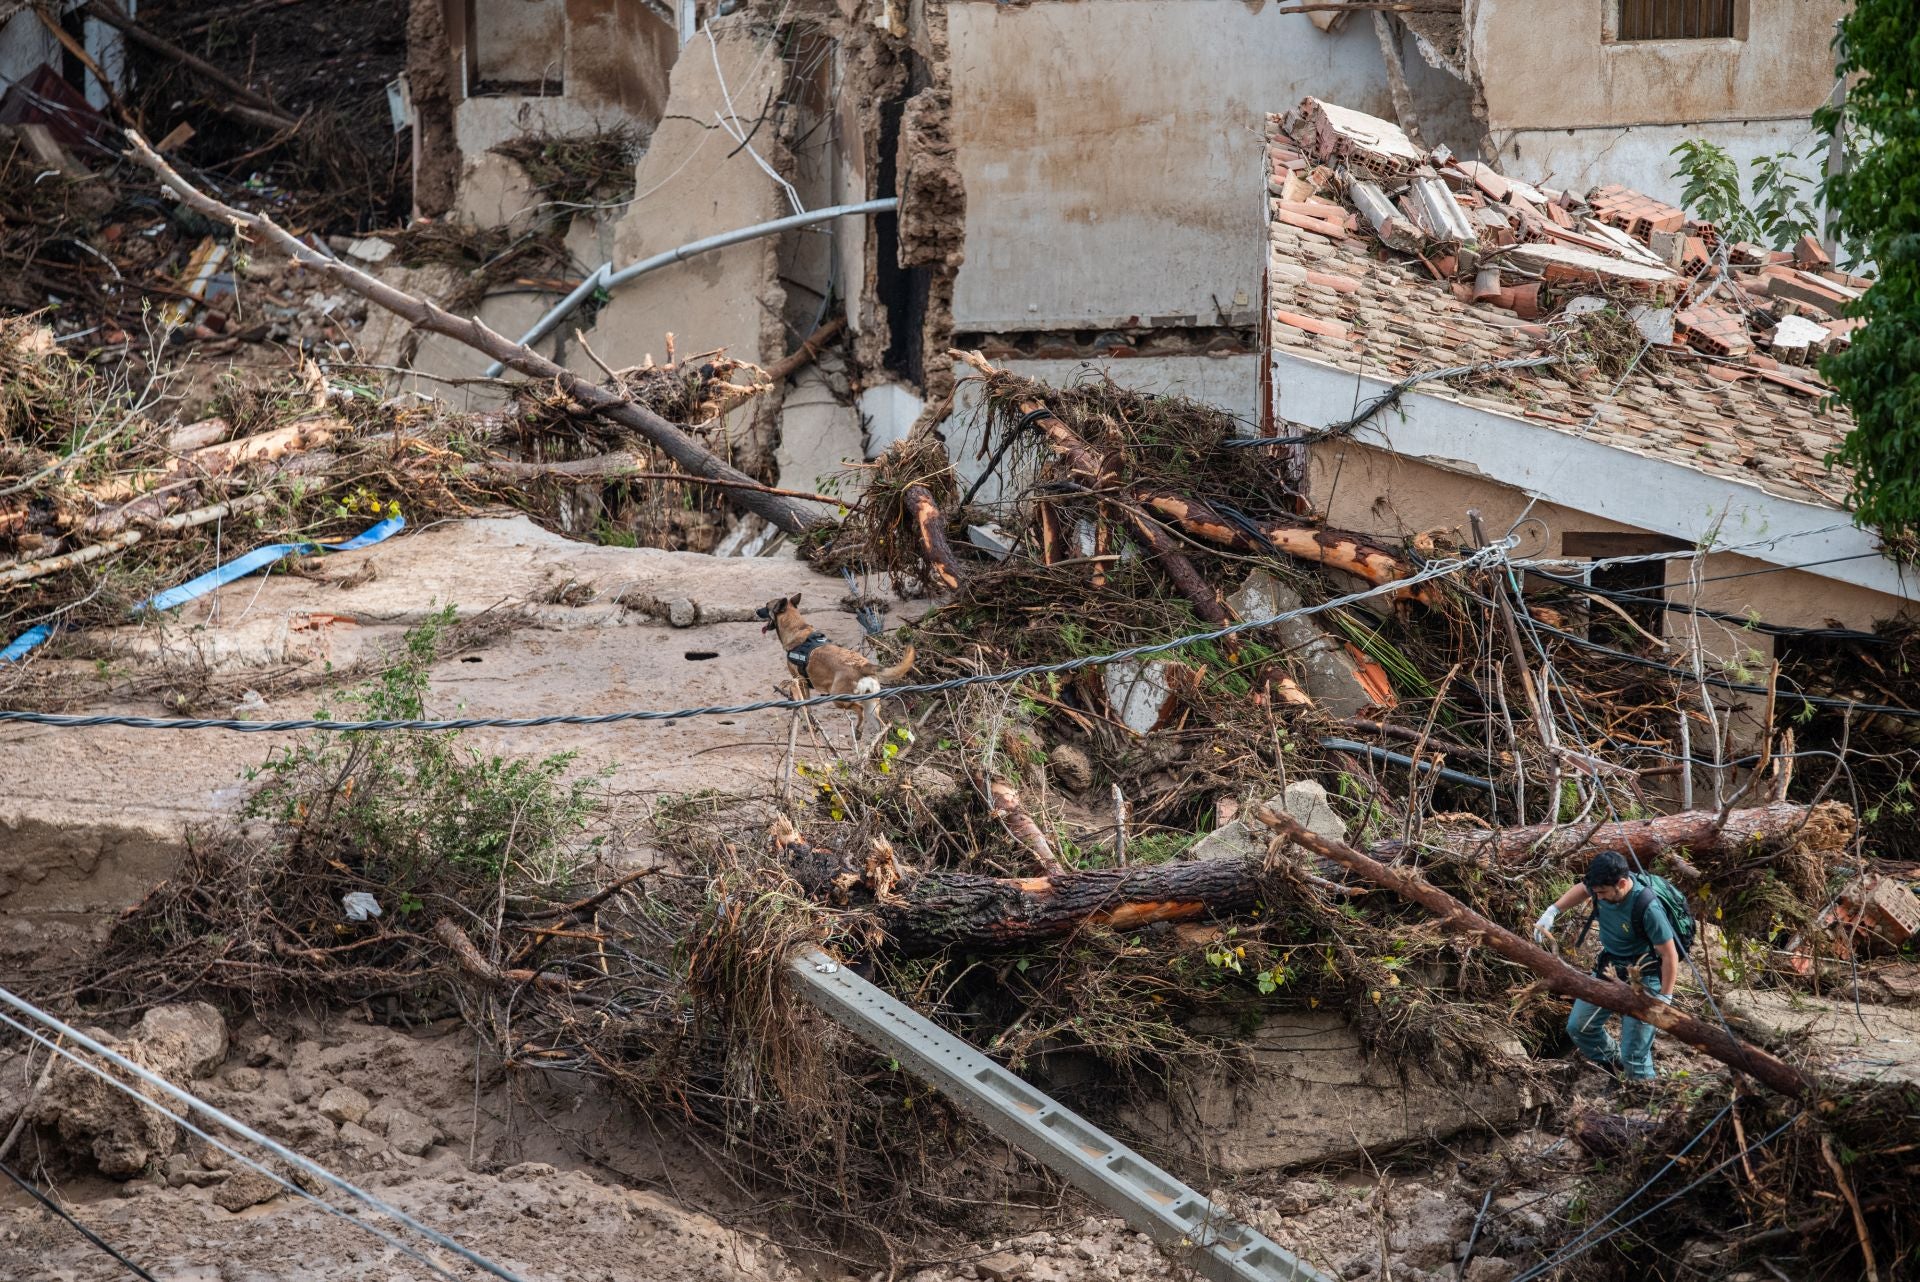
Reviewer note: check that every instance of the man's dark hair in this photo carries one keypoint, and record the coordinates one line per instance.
(1607, 868)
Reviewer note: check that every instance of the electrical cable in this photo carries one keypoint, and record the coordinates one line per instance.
(1435, 570)
(78, 1227)
(1560, 1258)
(192, 1102)
(286, 1185)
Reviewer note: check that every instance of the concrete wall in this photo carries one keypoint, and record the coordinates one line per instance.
(1111, 151)
(1639, 157)
(1547, 67)
(1361, 487)
(689, 186)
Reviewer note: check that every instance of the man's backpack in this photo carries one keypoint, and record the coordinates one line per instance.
(1673, 901)
(1648, 888)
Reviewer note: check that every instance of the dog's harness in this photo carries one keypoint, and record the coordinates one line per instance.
(798, 655)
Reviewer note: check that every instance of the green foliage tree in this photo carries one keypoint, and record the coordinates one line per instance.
(1874, 206)
(1779, 213)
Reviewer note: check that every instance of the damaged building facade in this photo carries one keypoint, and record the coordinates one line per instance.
(1098, 212)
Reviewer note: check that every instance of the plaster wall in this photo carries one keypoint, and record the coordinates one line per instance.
(1111, 151)
(1640, 156)
(1554, 64)
(1361, 487)
(1637, 491)
(692, 181)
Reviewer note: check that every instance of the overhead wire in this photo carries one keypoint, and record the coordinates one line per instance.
(1434, 570)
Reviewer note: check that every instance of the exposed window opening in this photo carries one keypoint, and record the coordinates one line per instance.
(905, 291)
(72, 70)
(1677, 20)
(472, 658)
(695, 656)
(516, 47)
(1639, 587)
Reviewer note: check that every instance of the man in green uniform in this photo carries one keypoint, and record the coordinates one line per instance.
(1627, 945)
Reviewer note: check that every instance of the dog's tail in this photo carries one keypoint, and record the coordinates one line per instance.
(899, 669)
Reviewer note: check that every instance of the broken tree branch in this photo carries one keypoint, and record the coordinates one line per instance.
(1560, 977)
(264, 112)
(1335, 549)
(1004, 804)
(805, 354)
(1827, 826)
(786, 514)
(930, 531)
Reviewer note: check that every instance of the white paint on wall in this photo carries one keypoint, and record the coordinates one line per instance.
(1641, 157)
(1618, 485)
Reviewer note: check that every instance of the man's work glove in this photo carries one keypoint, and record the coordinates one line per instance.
(1544, 926)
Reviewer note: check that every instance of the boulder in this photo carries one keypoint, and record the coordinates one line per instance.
(1305, 800)
(343, 1104)
(120, 1134)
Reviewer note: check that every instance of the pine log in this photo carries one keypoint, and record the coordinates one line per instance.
(1336, 549)
(1561, 978)
(787, 515)
(930, 532)
(937, 909)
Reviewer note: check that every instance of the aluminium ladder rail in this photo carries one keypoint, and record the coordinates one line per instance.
(1100, 1166)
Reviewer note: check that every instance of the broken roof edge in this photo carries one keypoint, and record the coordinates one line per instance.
(1644, 491)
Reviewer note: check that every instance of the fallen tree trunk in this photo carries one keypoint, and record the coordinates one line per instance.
(1827, 826)
(1561, 978)
(937, 909)
(262, 111)
(786, 514)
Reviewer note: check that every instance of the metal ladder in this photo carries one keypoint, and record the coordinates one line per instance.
(1094, 1162)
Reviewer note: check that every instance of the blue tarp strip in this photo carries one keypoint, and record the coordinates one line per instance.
(220, 576)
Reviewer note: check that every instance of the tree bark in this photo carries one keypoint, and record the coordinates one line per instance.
(1336, 549)
(1560, 977)
(951, 909)
(1827, 826)
(1175, 564)
(786, 514)
(930, 532)
(938, 909)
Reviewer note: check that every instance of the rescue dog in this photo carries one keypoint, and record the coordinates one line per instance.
(825, 667)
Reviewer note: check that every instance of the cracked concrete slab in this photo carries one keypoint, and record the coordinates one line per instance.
(90, 819)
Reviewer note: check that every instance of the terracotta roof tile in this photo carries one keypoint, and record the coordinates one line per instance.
(1390, 317)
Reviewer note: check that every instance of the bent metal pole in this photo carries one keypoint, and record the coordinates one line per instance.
(605, 277)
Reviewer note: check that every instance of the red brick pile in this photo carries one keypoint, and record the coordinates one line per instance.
(1532, 250)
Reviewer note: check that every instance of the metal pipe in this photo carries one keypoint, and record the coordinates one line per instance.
(605, 277)
(1401, 759)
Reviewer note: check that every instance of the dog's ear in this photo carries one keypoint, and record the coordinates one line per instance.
(794, 600)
